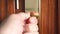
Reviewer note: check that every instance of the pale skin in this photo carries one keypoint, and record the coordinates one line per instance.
(18, 24)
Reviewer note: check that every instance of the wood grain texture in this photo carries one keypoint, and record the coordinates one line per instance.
(59, 15)
(7, 7)
(44, 17)
(49, 17)
(2, 9)
(53, 17)
(10, 7)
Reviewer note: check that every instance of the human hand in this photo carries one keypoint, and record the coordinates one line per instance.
(20, 23)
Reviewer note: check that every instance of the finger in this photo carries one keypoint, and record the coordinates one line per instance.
(15, 19)
(12, 30)
(32, 20)
(24, 15)
(31, 33)
(14, 25)
(30, 28)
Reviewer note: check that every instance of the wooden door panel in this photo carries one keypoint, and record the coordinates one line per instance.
(59, 16)
(7, 7)
(49, 18)
(10, 7)
(44, 17)
(2, 9)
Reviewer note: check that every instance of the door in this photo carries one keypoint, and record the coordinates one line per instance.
(49, 17)
(59, 16)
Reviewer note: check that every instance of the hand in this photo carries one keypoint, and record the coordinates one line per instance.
(20, 23)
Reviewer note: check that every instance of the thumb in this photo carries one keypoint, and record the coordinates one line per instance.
(24, 16)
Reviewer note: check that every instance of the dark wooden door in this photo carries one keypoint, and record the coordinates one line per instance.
(59, 16)
(49, 17)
